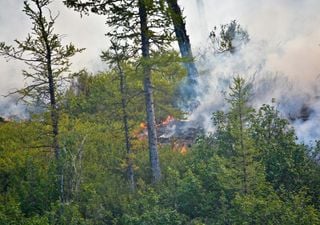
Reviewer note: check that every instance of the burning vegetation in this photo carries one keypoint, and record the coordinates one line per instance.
(178, 134)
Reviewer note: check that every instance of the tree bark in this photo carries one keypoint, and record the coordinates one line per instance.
(151, 123)
(53, 104)
(183, 40)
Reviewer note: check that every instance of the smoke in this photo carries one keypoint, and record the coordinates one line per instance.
(11, 109)
(86, 32)
(203, 26)
(280, 60)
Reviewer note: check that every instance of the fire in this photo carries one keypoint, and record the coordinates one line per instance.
(165, 122)
(143, 125)
(180, 147)
(184, 149)
(169, 119)
(141, 132)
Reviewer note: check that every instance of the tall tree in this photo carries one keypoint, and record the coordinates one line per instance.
(151, 119)
(141, 23)
(188, 90)
(117, 56)
(48, 61)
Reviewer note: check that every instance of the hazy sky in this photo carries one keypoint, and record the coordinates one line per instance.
(290, 24)
(290, 29)
(84, 33)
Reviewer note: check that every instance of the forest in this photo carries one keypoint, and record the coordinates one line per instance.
(122, 147)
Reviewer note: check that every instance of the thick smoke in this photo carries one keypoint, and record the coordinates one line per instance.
(280, 60)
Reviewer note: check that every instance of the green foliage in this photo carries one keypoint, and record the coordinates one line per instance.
(286, 162)
(156, 215)
(229, 37)
(10, 212)
(235, 142)
(123, 18)
(98, 96)
(65, 214)
(251, 170)
(270, 209)
(146, 209)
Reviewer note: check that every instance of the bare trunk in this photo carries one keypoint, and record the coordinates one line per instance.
(76, 161)
(151, 123)
(183, 40)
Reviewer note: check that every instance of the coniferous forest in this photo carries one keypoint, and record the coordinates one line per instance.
(119, 146)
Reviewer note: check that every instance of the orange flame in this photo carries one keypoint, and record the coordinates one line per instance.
(184, 149)
(143, 125)
(169, 119)
(179, 147)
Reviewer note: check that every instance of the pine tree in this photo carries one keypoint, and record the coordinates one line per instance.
(117, 56)
(151, 119)
(48, 61)
(140, 23)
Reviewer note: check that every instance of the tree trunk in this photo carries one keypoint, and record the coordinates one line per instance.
(55, 128)
(123, 91)
(151, 123)
(183, 40)
(53, 105)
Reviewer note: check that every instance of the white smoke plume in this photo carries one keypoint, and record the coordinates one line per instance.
(281, 59)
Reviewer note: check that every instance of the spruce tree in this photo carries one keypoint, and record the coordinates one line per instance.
(234, 138)
(238, 119)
